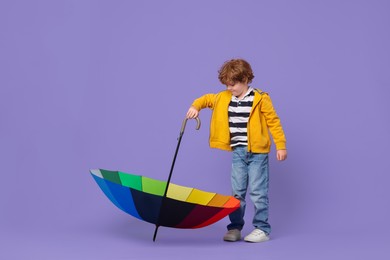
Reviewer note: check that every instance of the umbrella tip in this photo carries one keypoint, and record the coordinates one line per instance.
(96, 172)
(155, 234)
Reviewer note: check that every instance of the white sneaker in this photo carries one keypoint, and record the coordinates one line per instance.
(257, 236)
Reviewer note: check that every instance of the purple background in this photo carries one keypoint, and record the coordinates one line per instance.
(106, 84)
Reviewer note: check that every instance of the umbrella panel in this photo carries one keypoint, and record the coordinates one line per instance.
(119, 195)
(174, 212)
(147, 205)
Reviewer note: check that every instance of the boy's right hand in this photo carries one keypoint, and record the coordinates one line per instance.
(192, 113)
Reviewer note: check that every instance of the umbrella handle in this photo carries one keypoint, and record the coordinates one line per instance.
(183, 126)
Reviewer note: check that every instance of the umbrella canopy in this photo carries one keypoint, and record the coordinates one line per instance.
(182, 207)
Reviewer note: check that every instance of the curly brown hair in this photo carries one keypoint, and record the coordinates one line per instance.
(235, 70)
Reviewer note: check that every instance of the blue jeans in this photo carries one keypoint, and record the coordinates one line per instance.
(250, 169)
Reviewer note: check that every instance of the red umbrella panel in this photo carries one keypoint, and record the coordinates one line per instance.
(143, 198)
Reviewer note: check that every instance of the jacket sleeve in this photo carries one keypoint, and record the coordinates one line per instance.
(204, 101)
(273, 122)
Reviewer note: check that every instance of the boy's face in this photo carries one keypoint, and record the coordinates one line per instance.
(238, 89)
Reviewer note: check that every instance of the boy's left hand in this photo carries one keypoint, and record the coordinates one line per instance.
(281, 155)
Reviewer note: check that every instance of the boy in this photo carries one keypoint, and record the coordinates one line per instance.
(241, 120)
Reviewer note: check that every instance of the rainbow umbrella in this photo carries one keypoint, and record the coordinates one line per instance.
(163, 203)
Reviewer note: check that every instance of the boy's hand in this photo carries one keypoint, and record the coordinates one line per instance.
(192, 113)
(281, 155)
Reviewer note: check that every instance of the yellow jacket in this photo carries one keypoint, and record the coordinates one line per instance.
(262, 120)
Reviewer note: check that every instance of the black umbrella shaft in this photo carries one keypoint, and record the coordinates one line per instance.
(173, 165)
(169, 180)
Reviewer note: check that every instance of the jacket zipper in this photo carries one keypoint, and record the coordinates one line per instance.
(250, 115)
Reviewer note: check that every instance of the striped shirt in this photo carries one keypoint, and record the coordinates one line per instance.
(238, 112)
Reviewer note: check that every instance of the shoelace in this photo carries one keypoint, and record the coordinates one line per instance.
(257, 232)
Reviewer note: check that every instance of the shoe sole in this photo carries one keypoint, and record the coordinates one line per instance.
(256, 241)
(231, 239)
